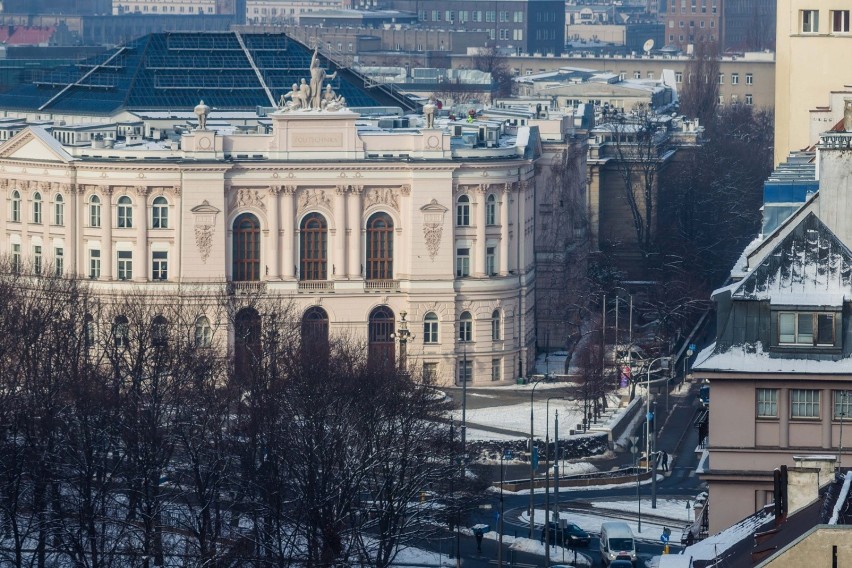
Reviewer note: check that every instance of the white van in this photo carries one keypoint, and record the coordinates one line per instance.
(617, 542)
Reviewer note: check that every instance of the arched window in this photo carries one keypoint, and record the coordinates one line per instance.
(381, 350)
(37, 208)
(246, 342)
(315, 328)
(120, 332)
(88, 331)
(313, 241)
(430, 328)
(466, 327)
(203, 332)
(58, 210)
(16, 207)
(125, 212)
(380, 247)
(95, 211)
(496, 334)
(160, 213)
(160, 331)
(463, 211)
(246, 260)
(491, 210)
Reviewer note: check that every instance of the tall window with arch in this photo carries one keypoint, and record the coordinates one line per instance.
(203, 332)
(121, 332)
(160, 213)
(37, 208)
(466, 327)
(125, 212)
(247, 342)
(15, 207)
(88, 331)
(160, 331)
(58, 210)
(246, 251)
(380, 247)
(430, 328)
(496, 327)
(94, 211)
(315, 330)
(463, 211)
(313, 247)
(381, 351)
(491, 210)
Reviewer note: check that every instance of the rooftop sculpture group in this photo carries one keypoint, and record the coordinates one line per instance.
(312, 96)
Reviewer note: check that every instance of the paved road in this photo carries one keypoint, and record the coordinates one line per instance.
(677, 436)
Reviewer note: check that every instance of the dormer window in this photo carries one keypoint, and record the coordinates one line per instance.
(814, 329)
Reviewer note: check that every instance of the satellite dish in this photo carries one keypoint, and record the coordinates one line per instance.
(648, 46)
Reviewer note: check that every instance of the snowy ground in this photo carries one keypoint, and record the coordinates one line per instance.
(674, 509)
(588, 488)
(535, 546)
(409, 556)
(651, 531)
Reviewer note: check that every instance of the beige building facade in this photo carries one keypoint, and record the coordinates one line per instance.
(351, 223)
(165, 7)
(813, 43)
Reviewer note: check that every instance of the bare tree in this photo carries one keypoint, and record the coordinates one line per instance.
(700, 95)
(490, 60)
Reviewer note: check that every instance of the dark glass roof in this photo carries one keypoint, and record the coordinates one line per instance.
(176, 70)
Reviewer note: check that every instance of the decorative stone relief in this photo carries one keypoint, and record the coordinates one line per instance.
(381, 196)
(205, 227)
(433, 226)
(314, 197)
(248, 197)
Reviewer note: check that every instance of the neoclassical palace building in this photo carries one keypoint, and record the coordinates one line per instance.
(353, 222)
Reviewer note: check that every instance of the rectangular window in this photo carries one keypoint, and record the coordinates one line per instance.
(767, 403)
(430, 330)
(842, 405)
(840, 21)
(430, 371)
(465, 371)
(637, 74)
(810, 21)
(797, 328)
(804, 403)
(518, 35)
(59, 213)
(504, 16)
(94, 263)
(449, 16)
(462, 262)
(496, 373)
(489, 16)
(462, 16)
(735, 78)
(491, 261)
(749, 99)
(160, 265)
(58, 261)
(37, 259)
(16, 257)
(678, 77)
(436, 15)
(125, 265)
(721, 78)
(749, 79)
(519, 17)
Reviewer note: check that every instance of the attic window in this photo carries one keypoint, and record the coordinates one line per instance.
(806, 328)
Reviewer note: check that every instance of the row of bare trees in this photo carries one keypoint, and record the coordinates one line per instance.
(128, 440)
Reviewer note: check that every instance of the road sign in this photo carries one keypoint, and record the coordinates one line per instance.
(664, 538)
(692, 347)
(535, 458)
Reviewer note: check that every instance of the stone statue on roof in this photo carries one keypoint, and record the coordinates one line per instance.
(295, 99)
(331, 100)
(318, 76)
(201, 111)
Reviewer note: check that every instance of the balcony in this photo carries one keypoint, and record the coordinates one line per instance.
(316, 286)
(383, 285)
(244, 288)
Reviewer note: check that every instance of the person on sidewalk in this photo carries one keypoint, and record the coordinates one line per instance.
(665, 461)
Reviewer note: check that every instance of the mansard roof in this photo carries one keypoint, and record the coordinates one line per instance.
(809, 266)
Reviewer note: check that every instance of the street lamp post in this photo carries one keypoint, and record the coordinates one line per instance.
(634, 449)
(532, 466)
(464, 404)
(403, 335)
(649, 433)
(547, 479)
(500, 536)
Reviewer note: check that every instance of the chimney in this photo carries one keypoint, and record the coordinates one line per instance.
(805, 479)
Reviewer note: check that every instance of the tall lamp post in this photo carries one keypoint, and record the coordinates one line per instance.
(505, 454)
(649, 433)
(547, 479)
(532, 465)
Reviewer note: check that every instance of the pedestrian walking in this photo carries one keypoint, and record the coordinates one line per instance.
(665, 461)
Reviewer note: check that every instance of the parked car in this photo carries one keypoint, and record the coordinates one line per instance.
(571, 534)
(621, 563)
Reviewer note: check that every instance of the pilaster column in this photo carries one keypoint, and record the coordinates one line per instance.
(340, 232)
(272, 245)
(504, 231)
(69, 193)
(827, 412)
(521, 229)
(287, 245)
(479, 254)
(140, 269)
(107, 219)
(353, 230)
(783, 418)
(77, 256)
(176, 220)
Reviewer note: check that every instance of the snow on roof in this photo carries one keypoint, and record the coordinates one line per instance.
(713, 546)
(751, 358)
(841, 499)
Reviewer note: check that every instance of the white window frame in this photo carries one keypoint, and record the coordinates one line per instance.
(15, 207)
(94, 211)
(463, 211)
(37, 204)
(58, 261)
(16, 257)
(496, 369)
(430, 328)
(160, 213)
(124, 213)
(124, 264)
(496, 326)
(767, 403)
(809, 21)
(841, 405)
(465, 331)
(94, 263)
(58, 210)
(792, 335)
(462, 262)
(804, 404)
(203, 332)
(159, 265)
(37, 259)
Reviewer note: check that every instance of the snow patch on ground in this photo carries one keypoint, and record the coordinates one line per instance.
(651, 531)
(674, 509)
(587, 488)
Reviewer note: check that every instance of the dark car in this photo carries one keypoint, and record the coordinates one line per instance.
(619, 563)
(571, 535)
